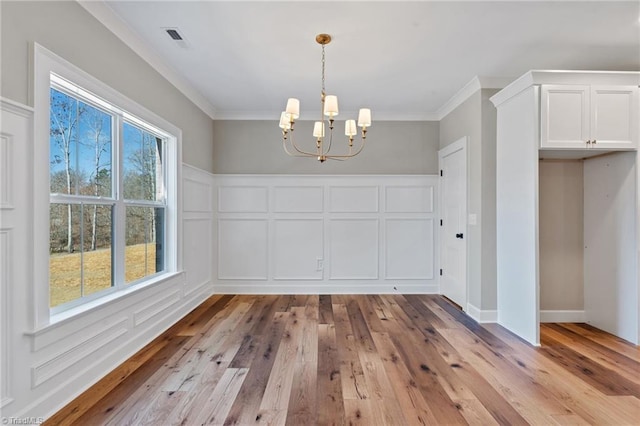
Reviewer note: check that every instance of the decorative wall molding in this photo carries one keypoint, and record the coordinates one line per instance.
(298, 199)
(415, 236)
(15, 243)
(354, 249)
(409, 199)
(6, 165)
(353, 199)
(243, 247)
(197, 196)
(155, 307)
(6, 378)
(243, 199)
(297, 248)
(78, 352)
(198, 249)
(340, 234)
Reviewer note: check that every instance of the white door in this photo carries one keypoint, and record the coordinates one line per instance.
(453, 228)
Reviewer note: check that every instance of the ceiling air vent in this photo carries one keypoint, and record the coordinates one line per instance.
(175, 35)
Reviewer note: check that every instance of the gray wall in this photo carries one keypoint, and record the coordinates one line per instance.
(392, 147)
(68, 30)
(489, 257)
(475, 118)
(463, 121)
(561, 231)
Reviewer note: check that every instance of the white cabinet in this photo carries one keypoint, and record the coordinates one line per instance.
(589, 117)
(560, 111)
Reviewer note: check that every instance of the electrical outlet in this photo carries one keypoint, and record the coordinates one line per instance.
(320, 264)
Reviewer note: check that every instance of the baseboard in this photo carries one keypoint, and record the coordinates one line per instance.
(309, 288)
(480, 315)
(562, 316)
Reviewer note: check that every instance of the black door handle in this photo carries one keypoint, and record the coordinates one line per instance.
(459, 235)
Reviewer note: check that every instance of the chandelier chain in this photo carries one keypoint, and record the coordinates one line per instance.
(323, 62)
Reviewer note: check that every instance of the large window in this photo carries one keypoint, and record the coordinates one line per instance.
(108, 197)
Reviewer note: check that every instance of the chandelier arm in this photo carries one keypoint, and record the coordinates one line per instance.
(295, 146)
(336, 157)
(293, 154)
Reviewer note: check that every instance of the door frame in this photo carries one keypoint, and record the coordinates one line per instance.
(459, 145)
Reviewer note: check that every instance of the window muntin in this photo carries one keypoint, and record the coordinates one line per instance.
(106, 167)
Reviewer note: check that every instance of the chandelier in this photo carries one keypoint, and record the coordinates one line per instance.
(329, 108)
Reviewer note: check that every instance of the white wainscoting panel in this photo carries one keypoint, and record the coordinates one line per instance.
(409, 249)
(198, 244)
(298, 199)
(6, 155)
(325, 234)
(80, 351)
(197, 196)
(243, 249)
(353, 199)
(298, 247)
(243, 199)
(198, 229)
(409, 199)
(354, 249)
(5, 306)
(16, 212)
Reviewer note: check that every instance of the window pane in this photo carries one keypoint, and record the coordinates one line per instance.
(65, 262)
(97, 254)
(79, 147)
(79, 265)
(94, 152)
(142, 169)
(63, 138)
(144, 239)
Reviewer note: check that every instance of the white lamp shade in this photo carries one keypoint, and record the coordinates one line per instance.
(293, 108)
(364, 117)
(318, 129)
(331, 105)
(350, 128)
(284, 121)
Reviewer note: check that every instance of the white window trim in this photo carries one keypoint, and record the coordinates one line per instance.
(45, 62)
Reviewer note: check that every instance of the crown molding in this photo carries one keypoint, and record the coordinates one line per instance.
(275, 115)
(103, 13)
(468, 90)
(536, 77)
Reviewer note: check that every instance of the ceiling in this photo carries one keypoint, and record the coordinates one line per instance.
(404, 60)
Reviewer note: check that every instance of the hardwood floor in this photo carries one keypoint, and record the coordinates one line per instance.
(338, 360)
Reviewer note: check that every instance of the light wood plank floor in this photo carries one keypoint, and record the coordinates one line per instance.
(341, 360)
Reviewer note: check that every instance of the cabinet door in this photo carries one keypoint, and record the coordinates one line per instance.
(614, 117)
(564, 116)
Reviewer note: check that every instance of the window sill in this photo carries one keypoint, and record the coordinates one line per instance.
(78, 312)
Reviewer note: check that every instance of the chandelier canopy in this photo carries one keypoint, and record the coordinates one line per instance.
(328, 109)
